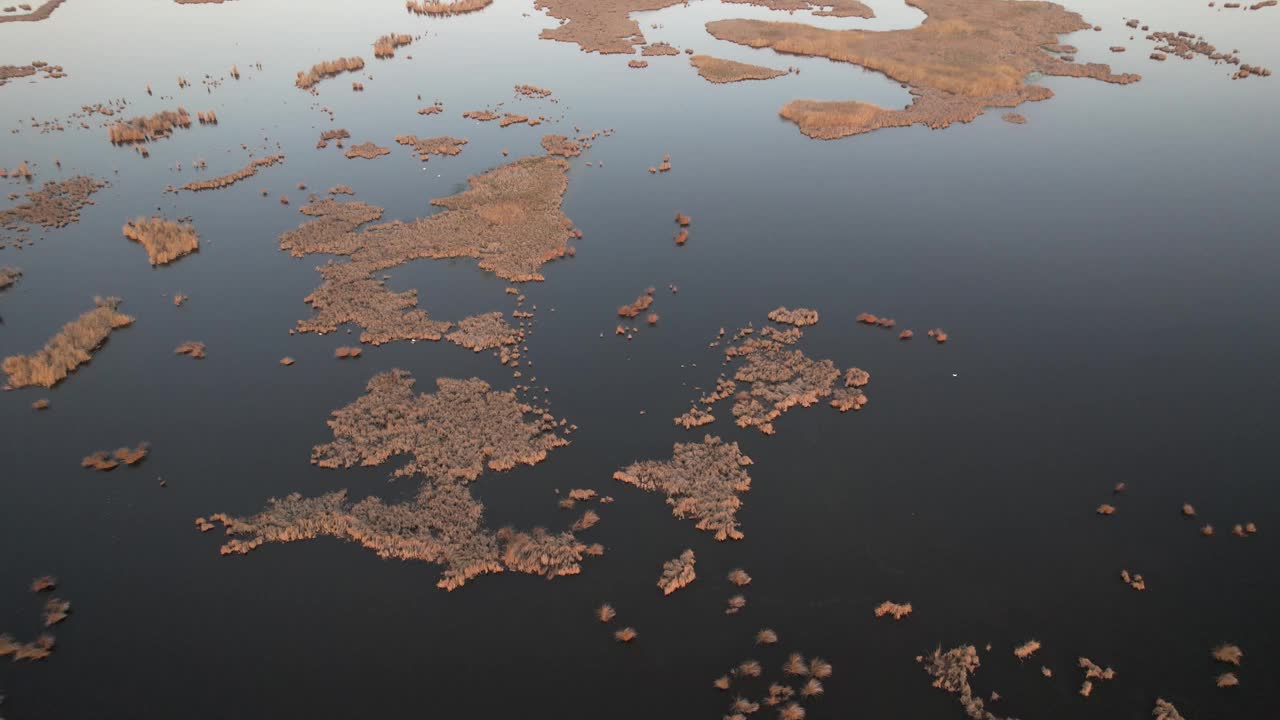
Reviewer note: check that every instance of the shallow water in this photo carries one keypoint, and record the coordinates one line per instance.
(1105, 273)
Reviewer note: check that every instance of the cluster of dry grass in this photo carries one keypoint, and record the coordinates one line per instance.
(1026, 649)
(232, 178)
(164, 240)
(105, 460)
(658, 49)
(192, 349)
(445, 7)
(701, 481)
(897, 611)
(966, 56)
(70, 348)
(951, 672)
(485, 332)
(677, 572)
(639, 305)
(44, 11)
(695, 417)
(426, 147)
(456, 432)
(55, 204)
(532, 91)
(719, 70)
(603, 26)
(1093, 671)
(147, 128)
(9, 276)
(327, 69)
(834, 8)
(800, 317)
(367, 151)
(510, 220)
(561, 145)
(385, 46)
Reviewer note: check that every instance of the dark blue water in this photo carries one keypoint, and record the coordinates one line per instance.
(1105, 273)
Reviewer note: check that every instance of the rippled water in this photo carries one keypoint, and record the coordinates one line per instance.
(1105, 273)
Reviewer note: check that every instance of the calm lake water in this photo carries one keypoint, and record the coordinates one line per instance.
(1106, 274)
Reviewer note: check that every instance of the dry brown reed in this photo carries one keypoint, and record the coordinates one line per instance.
(327, 69)
(70, 348)
(164, 240)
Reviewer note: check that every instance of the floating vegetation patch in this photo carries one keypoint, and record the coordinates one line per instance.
(718, 70)
(70, 348)
(164, 240)
(1000, 41)
(456, 432)
(677, 572)
(232, 178)
(701, 481)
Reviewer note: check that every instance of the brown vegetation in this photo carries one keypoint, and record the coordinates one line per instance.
(70, 348)
(385, 46)
(701, 480)
(766, 637)
(640, 304)
(892, 609)
(327, 69)
(626, 634)
(56, 204)
(800, 317)
(739, 577)
(338, 134)
(677, 572)
(485, 332)
(1015, 118)
(951, 672)
(966, 56)
(164, 240)
(454, 433)
(605, 613)
(833, 8)
(235, 177)
(9, 276)
(718, 70)
(561, 145)
(366, 150)
(147, 128)
(1226, 680)
(44, 583)
(1230, 654)
(603, 26)
(104, 460)
(426, 147)
(736, 603)
(695, 417)
(344, 352)
(1187, 45)
(445, 7)
(481, 115)
(1026, 649)
(55, 611)
(658, 48)
(1093, 671)
(1105, 509)
(41, 647)
(44, 11)
(532, 91)
(192, 348)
